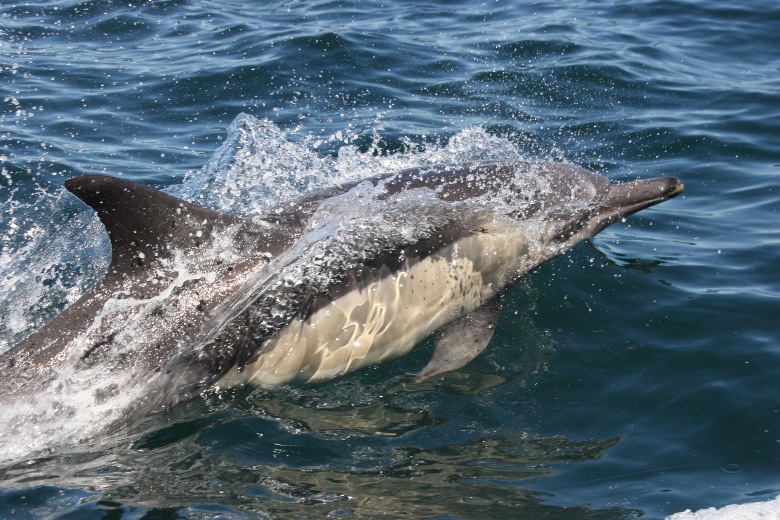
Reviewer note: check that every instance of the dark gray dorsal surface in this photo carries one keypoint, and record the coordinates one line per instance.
(144, 224)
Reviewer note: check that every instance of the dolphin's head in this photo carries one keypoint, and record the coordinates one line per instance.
(566, 202)
(628, 198)
(582, 218)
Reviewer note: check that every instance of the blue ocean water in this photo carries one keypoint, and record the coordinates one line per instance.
(636, 376)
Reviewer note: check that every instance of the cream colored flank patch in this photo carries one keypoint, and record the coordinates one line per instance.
(389, 317)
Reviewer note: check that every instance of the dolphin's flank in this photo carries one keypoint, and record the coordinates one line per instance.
(352, 276)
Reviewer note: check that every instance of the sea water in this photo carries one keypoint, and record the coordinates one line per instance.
(635, 377)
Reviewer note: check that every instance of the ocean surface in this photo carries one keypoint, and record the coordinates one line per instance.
(637, 376)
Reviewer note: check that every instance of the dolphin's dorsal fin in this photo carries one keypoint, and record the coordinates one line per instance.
(462, 340)
(146, 225)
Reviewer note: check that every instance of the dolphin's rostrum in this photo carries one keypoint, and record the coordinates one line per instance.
(193, 298)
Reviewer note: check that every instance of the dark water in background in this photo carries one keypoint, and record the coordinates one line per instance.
(637, 376)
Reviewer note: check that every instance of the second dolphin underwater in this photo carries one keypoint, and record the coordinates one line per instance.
(193, 298)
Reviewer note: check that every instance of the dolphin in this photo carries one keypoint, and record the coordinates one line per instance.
(331, 283)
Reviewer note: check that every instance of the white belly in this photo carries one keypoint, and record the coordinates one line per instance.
(389, 317)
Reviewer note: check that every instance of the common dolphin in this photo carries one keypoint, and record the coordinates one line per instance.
(193, 298)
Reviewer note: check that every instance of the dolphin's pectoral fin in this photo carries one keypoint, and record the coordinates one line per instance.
(463, 340)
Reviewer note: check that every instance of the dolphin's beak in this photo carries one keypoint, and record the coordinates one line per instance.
(630, 197)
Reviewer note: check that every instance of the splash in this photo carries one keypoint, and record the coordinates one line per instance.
(41, 271)
(261, 168)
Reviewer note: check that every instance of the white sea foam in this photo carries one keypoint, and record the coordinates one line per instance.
(769, 510)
